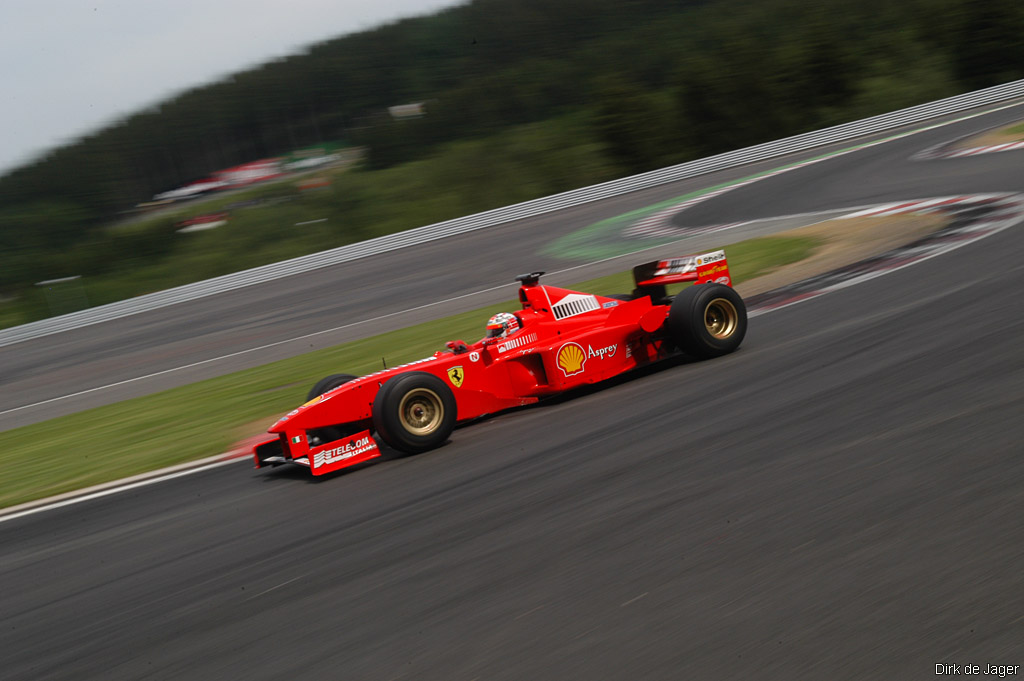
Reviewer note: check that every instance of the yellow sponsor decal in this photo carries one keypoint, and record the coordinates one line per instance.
(456, 376)
(570, 358)
(314, 400)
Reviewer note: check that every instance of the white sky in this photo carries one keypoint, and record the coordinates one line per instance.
(70, 67)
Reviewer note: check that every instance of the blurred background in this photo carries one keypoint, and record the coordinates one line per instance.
(475, 106)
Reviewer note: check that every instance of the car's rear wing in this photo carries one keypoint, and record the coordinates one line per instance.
(652, 277)
(696, 268)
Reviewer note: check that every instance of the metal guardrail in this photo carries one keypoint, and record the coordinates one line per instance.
(500, 216)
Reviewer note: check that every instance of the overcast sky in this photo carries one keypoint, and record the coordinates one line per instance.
(69, 67)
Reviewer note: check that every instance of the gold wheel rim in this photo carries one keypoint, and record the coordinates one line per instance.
(421, 411)
(721, 318)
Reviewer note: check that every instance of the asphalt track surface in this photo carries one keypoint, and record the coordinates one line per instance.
(839, 499)
(359, 296)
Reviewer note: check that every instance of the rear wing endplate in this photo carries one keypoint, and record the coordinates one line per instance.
(703, 268)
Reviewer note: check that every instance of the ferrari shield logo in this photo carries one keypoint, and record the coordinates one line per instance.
(455, 375)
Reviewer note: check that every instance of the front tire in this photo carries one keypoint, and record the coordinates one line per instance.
(329, 383)
(325, 385)
(414, 412)
(707, 320)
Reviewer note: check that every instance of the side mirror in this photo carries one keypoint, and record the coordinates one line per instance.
(457, 346)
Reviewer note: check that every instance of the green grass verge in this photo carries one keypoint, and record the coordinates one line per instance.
(204, 419)
(1016, 129)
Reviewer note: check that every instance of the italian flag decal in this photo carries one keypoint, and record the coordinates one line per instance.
(297, 439)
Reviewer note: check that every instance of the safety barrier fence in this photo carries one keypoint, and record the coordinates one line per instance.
(527, 209)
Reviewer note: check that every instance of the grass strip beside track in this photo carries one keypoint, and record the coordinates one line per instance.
(206, 418)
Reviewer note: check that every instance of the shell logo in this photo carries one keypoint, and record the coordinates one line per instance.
(571, 358)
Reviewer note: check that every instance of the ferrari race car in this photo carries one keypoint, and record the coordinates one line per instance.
(558, 341)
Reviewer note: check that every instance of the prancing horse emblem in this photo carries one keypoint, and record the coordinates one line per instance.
(455, 375)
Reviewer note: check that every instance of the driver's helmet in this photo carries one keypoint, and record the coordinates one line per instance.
(501, 325)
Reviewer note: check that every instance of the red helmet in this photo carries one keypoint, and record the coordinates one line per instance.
(502, 324)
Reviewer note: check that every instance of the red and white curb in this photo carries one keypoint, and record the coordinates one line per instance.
(924, 206)
(659, 225)
(972, 218)
(943, 152)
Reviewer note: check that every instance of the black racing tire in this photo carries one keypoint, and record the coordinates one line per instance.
(414, 412)
(325, 385)
(329, 383)
(707, 320)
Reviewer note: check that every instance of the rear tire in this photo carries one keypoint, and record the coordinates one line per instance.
(414, 412)
(707, 320)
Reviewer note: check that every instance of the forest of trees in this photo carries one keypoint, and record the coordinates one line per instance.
(653, 82)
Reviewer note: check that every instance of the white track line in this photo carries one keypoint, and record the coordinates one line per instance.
(105, 492)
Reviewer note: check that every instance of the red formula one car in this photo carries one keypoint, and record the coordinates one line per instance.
(559, 340)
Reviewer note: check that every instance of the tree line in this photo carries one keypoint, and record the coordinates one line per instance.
(658, 82)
